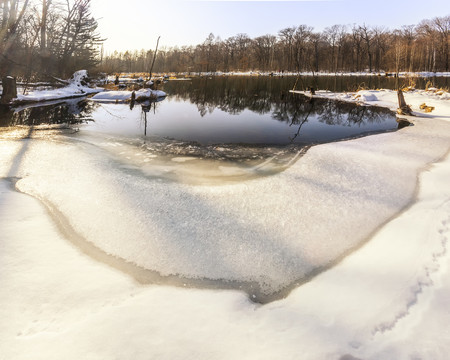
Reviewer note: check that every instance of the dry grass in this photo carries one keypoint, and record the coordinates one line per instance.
(428, 85)
(426, 108)
(362, 86)
(411, 85)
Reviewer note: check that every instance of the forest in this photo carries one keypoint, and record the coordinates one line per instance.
(40, 38)
(355, 48)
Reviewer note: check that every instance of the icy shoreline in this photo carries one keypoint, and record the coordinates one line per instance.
(388, 300)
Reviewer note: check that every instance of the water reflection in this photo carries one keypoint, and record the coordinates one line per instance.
(270, 95)
(270, 99)
(146, 107)
(70, 112)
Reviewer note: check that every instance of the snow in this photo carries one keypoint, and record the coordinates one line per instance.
(355, 203)
(126, 95)
(77, 87)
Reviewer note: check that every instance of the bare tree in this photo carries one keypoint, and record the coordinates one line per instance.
(301, 37)
(335, 36)
(264, 51)
(287, 37)
(367, 36)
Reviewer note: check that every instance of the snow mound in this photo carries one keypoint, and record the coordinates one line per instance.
(366, 95)
(112, 96)
(141, 94)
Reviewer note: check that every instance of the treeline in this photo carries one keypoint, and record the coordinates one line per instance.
(421, 47)
(47, 37)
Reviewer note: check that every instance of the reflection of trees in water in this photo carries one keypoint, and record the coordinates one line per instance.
(347, 114)
(329, 112)
(232, 95)
(66, 112)
(264, 95)
(147, 107)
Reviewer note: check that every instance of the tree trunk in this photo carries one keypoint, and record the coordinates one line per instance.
(9, 89)
(154, 58)
(403, 108)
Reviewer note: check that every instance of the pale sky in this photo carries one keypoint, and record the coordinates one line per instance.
(136, 24)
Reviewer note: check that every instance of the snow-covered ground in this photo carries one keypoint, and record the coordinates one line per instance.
(377, 208)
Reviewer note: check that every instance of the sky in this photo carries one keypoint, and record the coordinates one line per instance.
(136, 24)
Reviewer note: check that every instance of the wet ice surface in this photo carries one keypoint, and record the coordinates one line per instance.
(243, 215)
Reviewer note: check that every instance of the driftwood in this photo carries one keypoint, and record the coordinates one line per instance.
(154, 58)
(61, 81)
(9, 89)
(403, 108)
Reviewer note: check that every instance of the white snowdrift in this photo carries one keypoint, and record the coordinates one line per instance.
(141, 94)
(77, 88)
(387, 300)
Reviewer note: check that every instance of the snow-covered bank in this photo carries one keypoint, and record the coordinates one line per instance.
(388, 98)
(77, 87)
(388, 300)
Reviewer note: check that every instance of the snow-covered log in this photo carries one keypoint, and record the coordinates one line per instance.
(77, 87)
